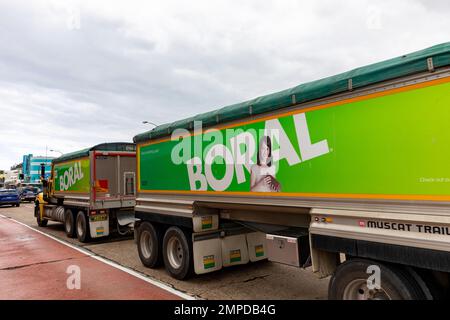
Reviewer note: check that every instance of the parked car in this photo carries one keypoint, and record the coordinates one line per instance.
(9, 196)
(29, 194)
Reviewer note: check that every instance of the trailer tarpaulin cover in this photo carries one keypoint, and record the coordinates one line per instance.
(116, 146)
(386, 70)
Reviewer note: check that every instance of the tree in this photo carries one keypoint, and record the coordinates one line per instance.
(17, 166)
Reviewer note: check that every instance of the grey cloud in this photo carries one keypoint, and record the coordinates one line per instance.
(70, 88)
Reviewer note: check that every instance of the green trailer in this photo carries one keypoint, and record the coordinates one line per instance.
(348, 174)
(92, 191)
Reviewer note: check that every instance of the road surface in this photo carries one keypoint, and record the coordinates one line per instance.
(33, 266)
(262, 280)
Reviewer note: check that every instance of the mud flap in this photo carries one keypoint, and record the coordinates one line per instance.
(126, 218)
(99, 226)
(125, 221)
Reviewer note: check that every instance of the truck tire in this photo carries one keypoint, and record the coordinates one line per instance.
(177, 253)
(82, 227)
(69, 223)
(40, 222)
(149, 243)
(349, 282)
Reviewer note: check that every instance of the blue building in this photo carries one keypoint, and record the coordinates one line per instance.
(32, 167)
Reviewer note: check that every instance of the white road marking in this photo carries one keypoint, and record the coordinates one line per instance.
(109, 262)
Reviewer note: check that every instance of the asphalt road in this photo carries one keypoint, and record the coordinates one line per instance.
(262, 280)
(47, 269)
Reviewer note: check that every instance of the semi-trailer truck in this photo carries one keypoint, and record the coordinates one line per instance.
(91, 191)
(349, 174)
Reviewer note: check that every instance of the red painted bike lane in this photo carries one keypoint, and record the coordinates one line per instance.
(34, 266)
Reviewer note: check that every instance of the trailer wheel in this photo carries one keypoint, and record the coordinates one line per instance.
(149, 244)
(40, 222)
(177, 253)
(349, 282)
(69, 223)
(82, 227)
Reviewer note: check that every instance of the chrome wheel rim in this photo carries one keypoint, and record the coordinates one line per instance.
(358, 290)
(175, 252)
(146, 244)
(68, 225)
(80, 227)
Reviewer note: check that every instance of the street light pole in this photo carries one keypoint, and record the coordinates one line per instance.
(148, 122)
(51, 150)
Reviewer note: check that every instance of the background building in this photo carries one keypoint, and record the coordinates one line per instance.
(12, 176)
(2, 178)
(26, 167)
(32, 167)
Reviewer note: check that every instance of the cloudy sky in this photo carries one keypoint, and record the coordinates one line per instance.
(77, 73)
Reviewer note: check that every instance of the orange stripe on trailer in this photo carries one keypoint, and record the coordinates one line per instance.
(311, 195)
